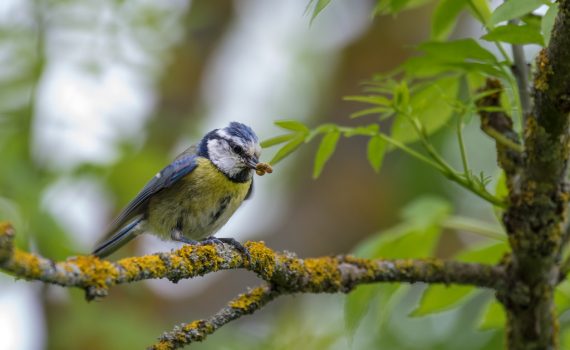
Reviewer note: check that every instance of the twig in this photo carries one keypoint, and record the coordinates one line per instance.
(499, 126)
(244, 304)
(521, 73)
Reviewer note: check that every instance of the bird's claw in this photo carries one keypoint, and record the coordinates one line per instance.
(228, 240)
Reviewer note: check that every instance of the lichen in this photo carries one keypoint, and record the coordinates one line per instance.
(324, 274)
(244, 302)
(28, 263)
(136, 268)
(96, 272)
(544, 71)
(6, 228)
(262, 257)
(196, 330)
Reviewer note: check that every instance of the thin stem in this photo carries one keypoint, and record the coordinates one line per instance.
(503, 140)
(475, 226)
(452, 173)
(521, 74)
(466, 170)
(411, 152)
(516, 93)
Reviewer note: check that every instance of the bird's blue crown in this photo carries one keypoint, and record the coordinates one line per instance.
(234, 131)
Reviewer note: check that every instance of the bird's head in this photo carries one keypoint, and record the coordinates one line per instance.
(234, 150)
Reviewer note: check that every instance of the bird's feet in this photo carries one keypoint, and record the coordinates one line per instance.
(213, 240)
(237, 245)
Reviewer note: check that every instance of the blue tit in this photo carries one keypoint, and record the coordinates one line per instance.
(193, 197)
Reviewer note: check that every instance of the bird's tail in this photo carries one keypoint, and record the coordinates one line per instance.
(119, 239)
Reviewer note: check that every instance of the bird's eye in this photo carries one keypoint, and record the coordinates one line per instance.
(237, 149)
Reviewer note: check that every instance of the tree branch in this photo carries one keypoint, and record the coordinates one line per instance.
(538, 200)
(499, 126)
(521, 73)
(244, 304)
(285, 272)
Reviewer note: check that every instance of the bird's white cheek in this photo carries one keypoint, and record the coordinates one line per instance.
(228, 165)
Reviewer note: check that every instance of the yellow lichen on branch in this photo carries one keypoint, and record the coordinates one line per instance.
(284, 273)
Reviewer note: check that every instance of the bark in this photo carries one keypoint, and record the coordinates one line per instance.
(538, 200)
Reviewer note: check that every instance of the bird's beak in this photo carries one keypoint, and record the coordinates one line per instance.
(251, 163)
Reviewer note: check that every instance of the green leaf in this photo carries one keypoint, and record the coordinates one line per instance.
(428, 66)
(445, 17)
(548, 22)
(562, 297)
(401, 241)
(458, 51)
(372, 99)
(375, 152)
(514, 34)
(488, 253)
(431, 106)
(325, 151)
(385, 7)
(565, 339)
(321, 129)
(277, 140)
(292, 125)
(426, 211)
(289, 148)
(401, 99)
(494, 316)
(480, 10)
(369, 111)
(364, 130)
(514, 9)
(438, 298)
(319, 6)
(501, 189)
(357, 305)
(422, 220)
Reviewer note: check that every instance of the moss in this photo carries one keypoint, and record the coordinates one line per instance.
(544, 70)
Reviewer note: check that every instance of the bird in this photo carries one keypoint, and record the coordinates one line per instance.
(193, 197)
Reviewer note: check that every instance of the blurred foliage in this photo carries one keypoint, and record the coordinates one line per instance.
(407, 109)
(420, 97)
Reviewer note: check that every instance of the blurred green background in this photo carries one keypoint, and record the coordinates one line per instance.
(96, 97)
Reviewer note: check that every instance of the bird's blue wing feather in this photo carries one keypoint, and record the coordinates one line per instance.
(182, 166)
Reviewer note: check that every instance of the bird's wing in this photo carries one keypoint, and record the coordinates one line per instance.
(182, 166)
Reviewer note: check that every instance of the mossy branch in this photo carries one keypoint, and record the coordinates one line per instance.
(197, 331)
(499, 126)
(285, 272)
(538, 198)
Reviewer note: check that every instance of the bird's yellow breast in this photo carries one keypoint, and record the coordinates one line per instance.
(198, 205)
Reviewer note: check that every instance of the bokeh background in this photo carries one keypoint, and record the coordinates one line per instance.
(97, 96)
